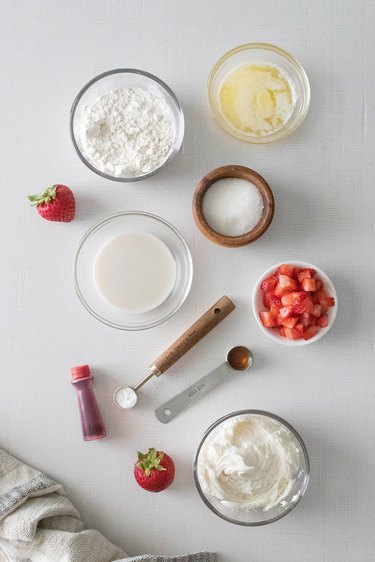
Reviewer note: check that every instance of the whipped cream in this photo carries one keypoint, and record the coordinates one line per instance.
(249, 462)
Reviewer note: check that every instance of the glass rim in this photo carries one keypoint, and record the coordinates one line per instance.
(260, 413)
(164, 86)
(95, 227)
(290, 126)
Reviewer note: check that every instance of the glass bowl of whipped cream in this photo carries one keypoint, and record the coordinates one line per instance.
(258, 93)
(126, 124)
(251, 467)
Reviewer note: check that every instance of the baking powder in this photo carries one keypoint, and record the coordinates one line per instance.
(127, 132)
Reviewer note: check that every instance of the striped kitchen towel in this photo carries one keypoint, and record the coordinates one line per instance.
(38, 523)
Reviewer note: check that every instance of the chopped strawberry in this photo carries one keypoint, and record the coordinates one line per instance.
(292, 334)
(270, 299)
(308, 284)
(306, 319)
(306, 305)
(287, 299)
(269, 284)
(306, 273)
(278, 320)
(274, 311)
(267, 319)
(286, 311)
(317, 310)
(323, 321)
(285, 285)
(325, 300)
(299, 327)
(286, 269)
(290, 322)
(310, 332)
(296, 302)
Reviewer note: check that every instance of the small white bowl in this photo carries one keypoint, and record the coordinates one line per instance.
(258, 305)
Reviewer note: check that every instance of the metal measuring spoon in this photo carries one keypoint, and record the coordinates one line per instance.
(239, 358)
(126, 397)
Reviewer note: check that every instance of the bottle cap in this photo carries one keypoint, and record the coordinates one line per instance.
(80, 372)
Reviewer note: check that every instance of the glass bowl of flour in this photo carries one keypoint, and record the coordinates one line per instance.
(126, 124)
(251, 467)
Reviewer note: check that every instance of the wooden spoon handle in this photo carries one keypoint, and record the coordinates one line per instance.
(211, 318)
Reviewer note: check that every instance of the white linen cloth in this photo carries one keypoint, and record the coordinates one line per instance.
(38, 523)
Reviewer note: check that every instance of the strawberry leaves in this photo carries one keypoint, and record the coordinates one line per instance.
(150, 461)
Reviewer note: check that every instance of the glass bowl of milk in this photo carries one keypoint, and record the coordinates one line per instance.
(133, 270)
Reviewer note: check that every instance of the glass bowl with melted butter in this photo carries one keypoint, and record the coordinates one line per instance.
(258, 93)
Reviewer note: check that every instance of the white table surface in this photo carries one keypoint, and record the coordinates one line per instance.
(323, 182)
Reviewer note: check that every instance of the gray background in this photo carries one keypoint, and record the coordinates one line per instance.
(323, 181)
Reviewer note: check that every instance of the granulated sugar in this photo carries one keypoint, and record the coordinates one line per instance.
(127, 132)
(232, 206)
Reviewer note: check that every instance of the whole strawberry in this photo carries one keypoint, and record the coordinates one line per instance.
(56, 203)
(154, 471)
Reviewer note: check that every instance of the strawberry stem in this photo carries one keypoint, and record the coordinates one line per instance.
(150, 461)
(43, 197)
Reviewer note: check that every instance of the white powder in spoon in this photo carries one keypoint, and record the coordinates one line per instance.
(232, 206)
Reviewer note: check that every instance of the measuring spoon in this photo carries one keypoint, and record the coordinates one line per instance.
(239, 358)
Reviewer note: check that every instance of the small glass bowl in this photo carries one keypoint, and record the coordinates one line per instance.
(266, 54)
(257, 517)
(101, 233)
(124, 78)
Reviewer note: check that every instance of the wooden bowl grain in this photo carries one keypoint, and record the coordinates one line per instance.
(240, 172)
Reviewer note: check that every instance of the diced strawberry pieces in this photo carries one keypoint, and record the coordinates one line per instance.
(275, 301)
(285, 285)
(305, 319)
(292, 334)
(323, 321)
(269, 284)
(299, 327)
(317, 310)
(308, 284)
(286, 311)
(267, 319)
(274, 311)
(286, 269)
(310, 332)
(296, 302)
(306, 305)
(306, 273)
(325, 300)
(290, 322)
(278, 320)
(299, 296)
(287, 299)
(287, 282)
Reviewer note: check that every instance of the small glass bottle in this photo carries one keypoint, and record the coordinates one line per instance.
(91, 419)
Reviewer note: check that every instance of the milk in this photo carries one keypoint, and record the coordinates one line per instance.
(134, 272)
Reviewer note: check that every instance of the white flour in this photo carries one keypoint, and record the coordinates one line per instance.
(127, 132)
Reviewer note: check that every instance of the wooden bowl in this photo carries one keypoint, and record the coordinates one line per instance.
(233, 172)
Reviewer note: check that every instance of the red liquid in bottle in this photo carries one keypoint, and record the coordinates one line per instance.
(91, 419)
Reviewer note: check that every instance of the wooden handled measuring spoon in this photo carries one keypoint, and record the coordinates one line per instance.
(239, 358)
(126, 397)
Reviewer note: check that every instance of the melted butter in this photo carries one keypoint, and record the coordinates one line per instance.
(256, 99)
